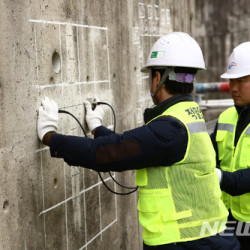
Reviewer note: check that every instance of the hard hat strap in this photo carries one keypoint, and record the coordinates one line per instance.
(162, 81)
(150, 81)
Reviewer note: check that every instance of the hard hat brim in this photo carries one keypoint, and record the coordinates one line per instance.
(146, 68)
(233, 76)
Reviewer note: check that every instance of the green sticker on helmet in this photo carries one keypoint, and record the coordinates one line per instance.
(157, 54)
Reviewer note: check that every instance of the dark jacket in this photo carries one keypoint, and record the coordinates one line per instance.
(163, 142)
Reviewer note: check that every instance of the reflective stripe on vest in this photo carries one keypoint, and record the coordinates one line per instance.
(196, 127)
(175, 201)
(247, 131)
(234, 158)
(226, 127)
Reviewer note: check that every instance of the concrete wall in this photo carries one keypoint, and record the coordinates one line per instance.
(220, 26)
(72, 50)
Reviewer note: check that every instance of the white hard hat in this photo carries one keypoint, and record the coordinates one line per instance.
(175, 49)
(239, 62)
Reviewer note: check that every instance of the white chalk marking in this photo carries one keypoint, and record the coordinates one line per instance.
(156, 9)
(66, 84)
(148, 35)
(65, 23)
(85, 209)
(115, 198)
(71, 198)
(36, 50)
(100, 208)
(107, 40)
(41, 149)
(44, 224)
(141, 10)
(78, 54)
(136, 36)
(150, 12)
(61, 54)
(66, 207)
(113, 222)
(139, 116)
(168, 17)
(65, 196)
(93, 54)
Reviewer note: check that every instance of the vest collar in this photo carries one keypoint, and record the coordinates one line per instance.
(150, 113)
(243, 121)
(239, 109)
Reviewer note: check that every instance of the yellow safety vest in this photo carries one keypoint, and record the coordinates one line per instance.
(234, 158)
(176, 201)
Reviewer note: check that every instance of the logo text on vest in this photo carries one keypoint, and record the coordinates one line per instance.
(195, 112)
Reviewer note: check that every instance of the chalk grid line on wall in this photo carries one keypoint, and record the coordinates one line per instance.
(154, 22)
(42, 150)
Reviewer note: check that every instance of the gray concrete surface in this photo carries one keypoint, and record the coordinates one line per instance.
(70, 51)
(220, 25)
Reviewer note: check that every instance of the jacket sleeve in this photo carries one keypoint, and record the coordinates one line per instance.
(236, 183)
(102, 131)
(233, 183)
(160, 143)
(213, 139)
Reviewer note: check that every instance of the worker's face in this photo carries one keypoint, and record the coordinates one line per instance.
(240, 90)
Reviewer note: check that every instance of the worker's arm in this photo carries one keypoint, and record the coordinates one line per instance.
(102, 131)
(236, 183)
(213, 136)
(233, 183)
(161, 143)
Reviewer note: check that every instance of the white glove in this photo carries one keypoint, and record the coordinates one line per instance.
(47, 117)
(93, 117)
(219, 172)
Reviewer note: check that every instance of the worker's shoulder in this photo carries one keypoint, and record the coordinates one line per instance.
(168, 121)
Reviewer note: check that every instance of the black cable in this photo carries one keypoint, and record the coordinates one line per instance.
(67, 112)
(114, 192)
(119, 183)
(103, 103)
(135, 188)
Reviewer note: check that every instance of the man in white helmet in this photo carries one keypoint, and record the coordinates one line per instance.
(231, 140)
(179, 195)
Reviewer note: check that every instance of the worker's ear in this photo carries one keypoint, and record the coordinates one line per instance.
(155, 81)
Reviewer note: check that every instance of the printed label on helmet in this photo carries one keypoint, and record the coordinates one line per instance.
(232, 64)
(157, 54)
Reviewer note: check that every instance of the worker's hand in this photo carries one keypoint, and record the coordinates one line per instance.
(47, 117)
(219, 173)
(93, 117)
